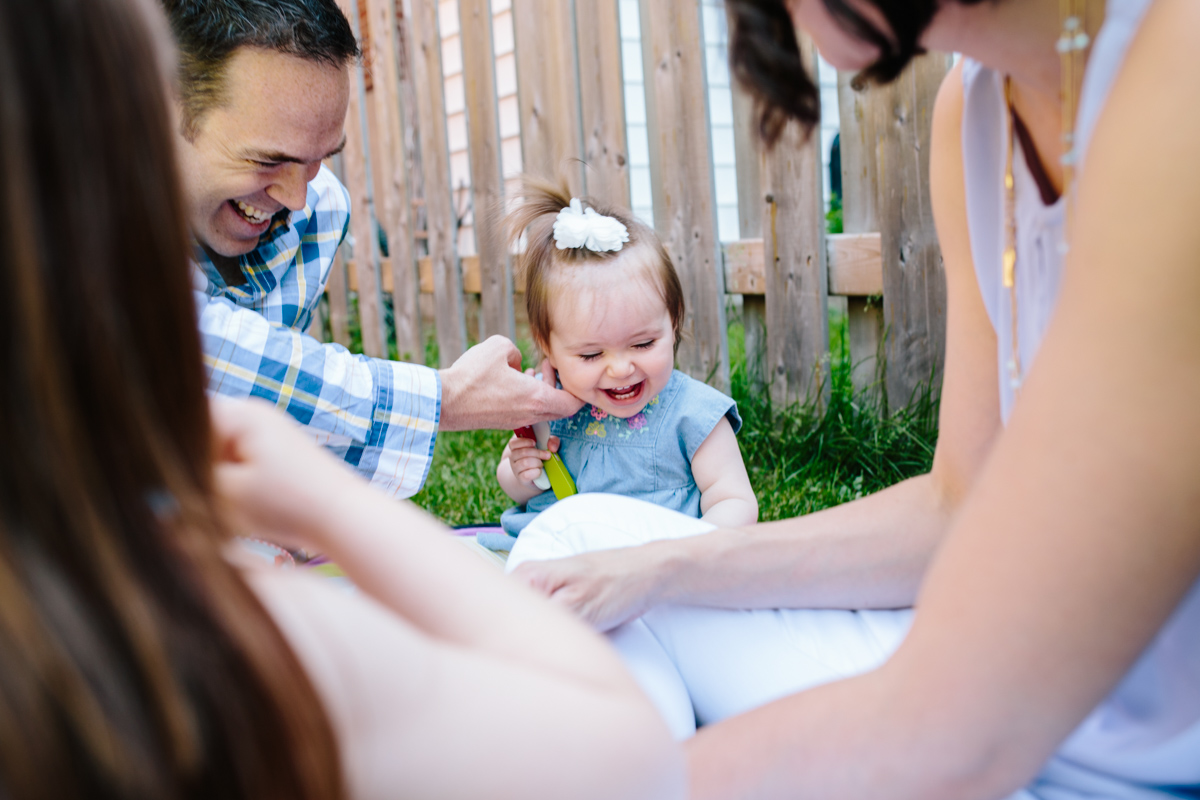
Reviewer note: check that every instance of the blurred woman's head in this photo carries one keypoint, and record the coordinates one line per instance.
(133, 660)
(876, 38)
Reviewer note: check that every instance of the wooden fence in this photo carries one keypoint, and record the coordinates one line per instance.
(571, 105)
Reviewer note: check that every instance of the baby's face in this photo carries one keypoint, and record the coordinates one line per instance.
(612, 345)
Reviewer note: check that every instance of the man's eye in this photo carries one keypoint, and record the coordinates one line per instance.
(265, 164)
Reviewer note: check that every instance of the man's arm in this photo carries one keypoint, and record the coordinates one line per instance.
(379, 416)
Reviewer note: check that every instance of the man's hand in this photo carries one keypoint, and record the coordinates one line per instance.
(485, 388)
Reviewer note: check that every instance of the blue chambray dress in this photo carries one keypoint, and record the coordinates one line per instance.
(647, 456)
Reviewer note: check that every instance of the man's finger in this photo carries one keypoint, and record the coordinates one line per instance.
(512, 354)
(561, 403)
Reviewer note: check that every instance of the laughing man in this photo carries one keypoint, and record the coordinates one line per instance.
(263, 91)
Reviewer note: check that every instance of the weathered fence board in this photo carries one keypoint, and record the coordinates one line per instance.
(392, 204)
(336, 287)
(548, 91)
(487, 180)
(366, 251)
(864, 315)
(914, 285)
(441, 221)
(602, 101)
(682, 178)
(797, 289)
(749, 160)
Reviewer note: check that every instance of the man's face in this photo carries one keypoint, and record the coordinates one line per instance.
(254, 154)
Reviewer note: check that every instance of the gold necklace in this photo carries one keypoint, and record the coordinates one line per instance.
(1073, 42)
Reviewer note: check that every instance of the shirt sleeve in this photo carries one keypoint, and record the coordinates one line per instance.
(380, 416)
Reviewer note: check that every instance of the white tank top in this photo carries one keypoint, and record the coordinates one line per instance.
(1143, 741)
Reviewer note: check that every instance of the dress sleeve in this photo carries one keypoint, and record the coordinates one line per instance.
(701, 408)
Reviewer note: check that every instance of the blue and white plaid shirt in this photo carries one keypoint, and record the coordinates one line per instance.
(380, 416)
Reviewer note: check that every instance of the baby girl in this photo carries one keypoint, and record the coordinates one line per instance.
(606, 309)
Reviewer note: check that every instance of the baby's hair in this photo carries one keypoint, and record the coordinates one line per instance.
(540, 203)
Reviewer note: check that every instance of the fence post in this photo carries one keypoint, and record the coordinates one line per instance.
(602, 101)
(914, 284)
(797, 281)
(336, 289)
(682, 178)
(391, 187)
(548, 90)
(487, 187)
(442, 224)
(749, 160)
(864, 315)
(366, 250)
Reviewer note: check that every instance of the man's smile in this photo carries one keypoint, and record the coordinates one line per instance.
(252, 214)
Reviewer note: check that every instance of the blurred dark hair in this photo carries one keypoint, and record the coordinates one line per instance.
(135, 662)
(764, 54)
(208, 32)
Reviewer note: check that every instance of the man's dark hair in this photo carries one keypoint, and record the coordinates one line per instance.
(765, 56)
(208, 32)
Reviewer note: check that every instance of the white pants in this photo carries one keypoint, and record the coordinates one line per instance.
(706, 664)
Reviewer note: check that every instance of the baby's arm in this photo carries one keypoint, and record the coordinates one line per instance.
(520, 465)
(726, 498)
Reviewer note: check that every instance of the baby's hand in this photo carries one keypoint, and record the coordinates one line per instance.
(525, 458)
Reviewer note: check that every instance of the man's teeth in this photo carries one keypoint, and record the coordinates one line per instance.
(253, 214)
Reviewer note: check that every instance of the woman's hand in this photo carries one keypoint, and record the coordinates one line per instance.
(606, 588)
(273, 480)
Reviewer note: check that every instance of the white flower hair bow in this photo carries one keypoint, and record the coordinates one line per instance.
(576, 226)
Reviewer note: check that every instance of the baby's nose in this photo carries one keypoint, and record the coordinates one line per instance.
(620, 366)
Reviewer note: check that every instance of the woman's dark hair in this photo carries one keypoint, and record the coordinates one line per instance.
(764, 53)
(135, 662)
(208, 32)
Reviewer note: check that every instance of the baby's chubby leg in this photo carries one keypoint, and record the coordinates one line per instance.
(730, 661)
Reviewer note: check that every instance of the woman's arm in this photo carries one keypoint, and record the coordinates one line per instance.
(445, 678)
(1080, 537)
(870, 553)
(726, 497)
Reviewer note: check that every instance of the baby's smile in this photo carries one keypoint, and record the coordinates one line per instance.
(623, 395)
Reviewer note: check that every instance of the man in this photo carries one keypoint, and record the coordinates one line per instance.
(264, 87)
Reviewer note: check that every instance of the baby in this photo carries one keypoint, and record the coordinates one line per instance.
(606, 308)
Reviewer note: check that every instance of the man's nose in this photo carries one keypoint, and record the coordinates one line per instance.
(291, 186)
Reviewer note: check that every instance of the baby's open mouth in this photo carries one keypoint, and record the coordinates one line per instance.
(623, 394)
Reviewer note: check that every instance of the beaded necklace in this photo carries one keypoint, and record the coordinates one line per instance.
(1073, 42)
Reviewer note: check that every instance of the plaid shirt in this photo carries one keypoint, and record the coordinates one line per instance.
(380, 416)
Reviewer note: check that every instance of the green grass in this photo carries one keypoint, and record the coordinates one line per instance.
(799, 461)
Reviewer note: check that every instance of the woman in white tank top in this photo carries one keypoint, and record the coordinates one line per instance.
(1053, 553)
